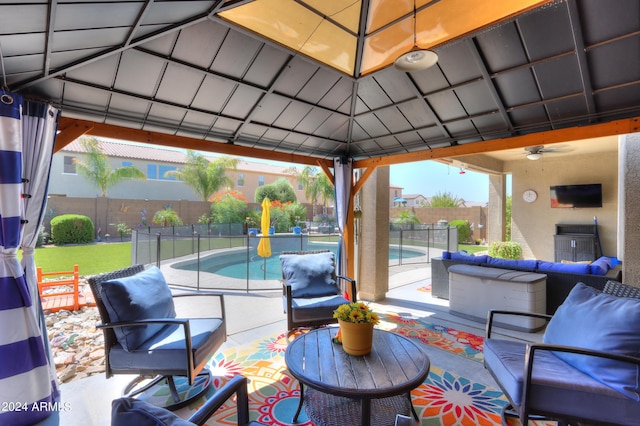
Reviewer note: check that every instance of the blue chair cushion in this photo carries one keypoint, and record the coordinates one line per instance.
(555, 385)
(510, 263)
(131, 411)
(310, 275)
(594, 320)
(168, 347)
(574, 268)
(310, 309)
(145, 295)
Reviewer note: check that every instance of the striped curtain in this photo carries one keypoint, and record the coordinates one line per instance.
(343, 180)
(28, 389)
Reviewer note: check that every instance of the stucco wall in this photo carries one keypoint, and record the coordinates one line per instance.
(533, 224)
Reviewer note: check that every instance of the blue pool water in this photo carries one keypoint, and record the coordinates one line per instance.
(235, 265)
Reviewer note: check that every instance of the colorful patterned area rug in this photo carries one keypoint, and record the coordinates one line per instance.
(443, 399)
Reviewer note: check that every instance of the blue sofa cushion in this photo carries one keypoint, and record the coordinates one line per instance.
(574, 268)
(446, 255)
(145, 295)
(464, 256)
(600, 266)
(132, 411)
(594, 320)
(509, 263)
(310, 275)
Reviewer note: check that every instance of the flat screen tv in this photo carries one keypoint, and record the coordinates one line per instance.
(576, 196)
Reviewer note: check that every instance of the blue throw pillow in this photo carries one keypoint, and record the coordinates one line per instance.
(131, 411)
(600, 266)
(573, 268)
(594, 320)
(446, 255)
(141, 296)
(462, 255)
(310, 275)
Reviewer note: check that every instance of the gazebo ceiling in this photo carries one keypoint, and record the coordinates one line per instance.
(309, 80)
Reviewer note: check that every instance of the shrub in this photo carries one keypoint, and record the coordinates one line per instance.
(167, 217)
(229, 208)
(71, 229)
(464, 230)
(123, 230)
(43, 237)
(505, 250)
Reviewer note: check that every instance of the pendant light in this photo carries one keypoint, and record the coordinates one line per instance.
(416, 59)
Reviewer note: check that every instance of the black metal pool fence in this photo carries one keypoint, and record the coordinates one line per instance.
(228, 251)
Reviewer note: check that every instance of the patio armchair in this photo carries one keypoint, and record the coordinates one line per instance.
(587, 368)
(143, 336)
(311, 289)
(130, 411)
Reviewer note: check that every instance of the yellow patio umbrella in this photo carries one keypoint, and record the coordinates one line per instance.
(264, 247)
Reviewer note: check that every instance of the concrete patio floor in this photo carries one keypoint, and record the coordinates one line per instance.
(89, 400)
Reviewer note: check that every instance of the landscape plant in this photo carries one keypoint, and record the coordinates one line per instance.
(444, 199)
(406, 217)
(71, 229)
(203, 176)
(505, 250)
(98, 171)
(229, 207)
(123, 229)
(280, 190)
(464, 230)
(167, 217)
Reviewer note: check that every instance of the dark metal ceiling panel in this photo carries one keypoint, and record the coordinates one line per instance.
(213, 94)
(605, 20)
(242, 101)
(196, 45)
(235, 55)
(96, 15)
(139, 73)
(517, 87)
(266, 66)
(372, 125)
(416, 113)
(476, 98)
(555, 77)
(446, 106)
(393, 119)
(338, 97)
(615, 63)
(184, 93)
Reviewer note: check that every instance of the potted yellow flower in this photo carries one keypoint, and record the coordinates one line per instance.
(356, 321)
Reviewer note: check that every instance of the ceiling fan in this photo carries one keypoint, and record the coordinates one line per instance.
(535, 152)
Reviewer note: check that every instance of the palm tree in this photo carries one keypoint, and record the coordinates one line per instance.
(444, 199)
(325, 189)
(97, 169)
(310, 178)
(203, 176)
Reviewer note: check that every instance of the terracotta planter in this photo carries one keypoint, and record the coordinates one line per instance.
(356, 338)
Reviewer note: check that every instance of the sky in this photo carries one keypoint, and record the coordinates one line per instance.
(429, 178)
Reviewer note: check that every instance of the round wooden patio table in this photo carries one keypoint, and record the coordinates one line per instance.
(395, 366)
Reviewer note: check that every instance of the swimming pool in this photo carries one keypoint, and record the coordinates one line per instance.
(234, 264)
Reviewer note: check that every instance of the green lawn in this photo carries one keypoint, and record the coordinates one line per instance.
(91, 258)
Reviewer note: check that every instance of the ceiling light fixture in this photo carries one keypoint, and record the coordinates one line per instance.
(416, 59)
(534, 156)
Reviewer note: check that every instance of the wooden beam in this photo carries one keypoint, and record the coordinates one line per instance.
(618, 127)
(155, 138)
(365, 175)
(327, 171)
(70, 130)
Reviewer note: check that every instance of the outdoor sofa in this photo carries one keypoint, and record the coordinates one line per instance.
(561, 277)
